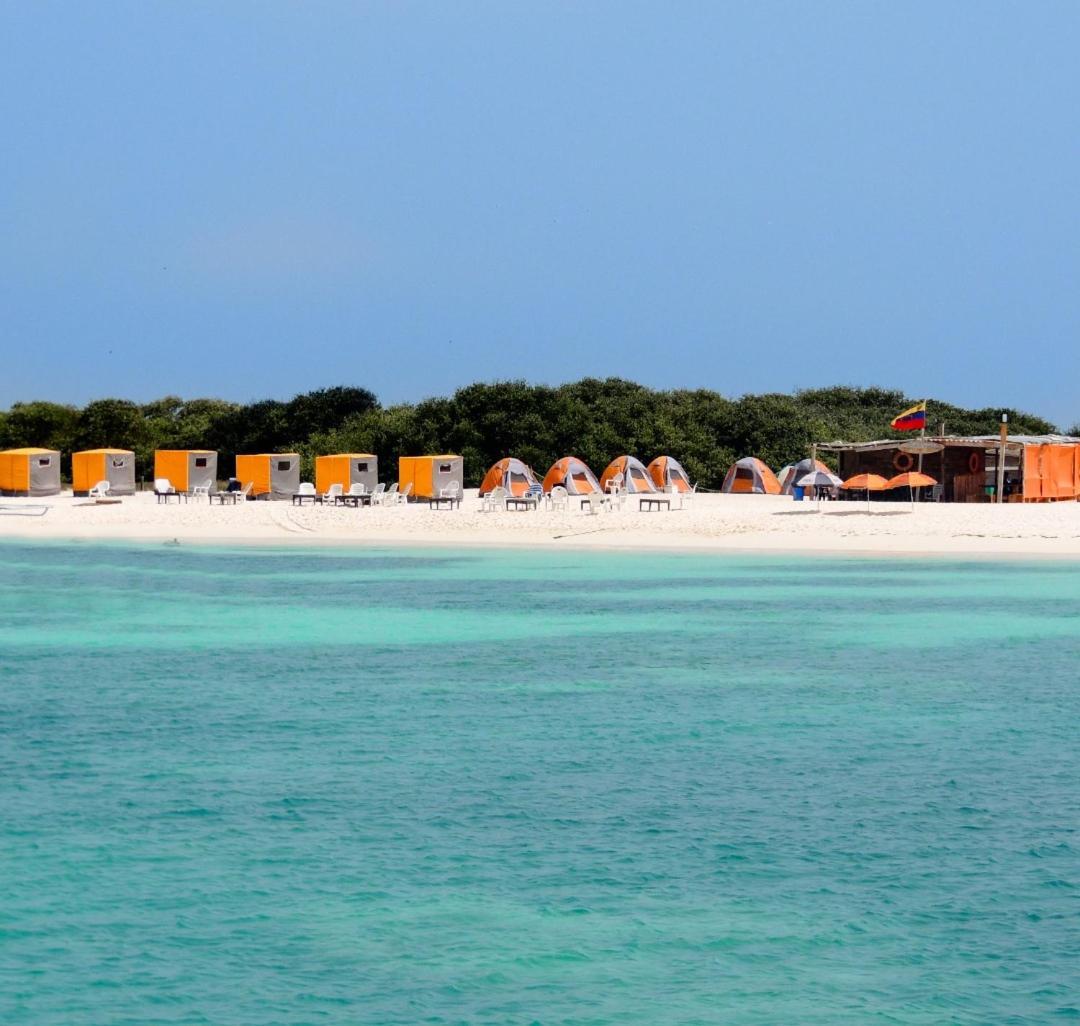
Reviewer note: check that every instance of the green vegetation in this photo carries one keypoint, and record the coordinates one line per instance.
(593, 419)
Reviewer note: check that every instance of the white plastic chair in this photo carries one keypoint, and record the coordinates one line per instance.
(99, 491)
(558, 498)
(494, 500)
(403, 494)
(388, 497)
(377, 495)
(306, 488)
(451, 491)
(594, 501)
(332, 494)
(200, 491)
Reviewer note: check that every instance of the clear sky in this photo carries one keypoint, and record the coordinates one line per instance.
(254, 199)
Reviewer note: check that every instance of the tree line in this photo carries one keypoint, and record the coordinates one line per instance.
(594, 419)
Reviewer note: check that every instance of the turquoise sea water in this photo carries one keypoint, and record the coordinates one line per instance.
(388, 787)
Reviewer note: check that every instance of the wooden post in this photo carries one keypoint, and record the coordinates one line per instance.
(922, 434)
(941, 482)
(1001, 458)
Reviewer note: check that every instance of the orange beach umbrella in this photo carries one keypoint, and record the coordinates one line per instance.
(911, 480)
(868, 483)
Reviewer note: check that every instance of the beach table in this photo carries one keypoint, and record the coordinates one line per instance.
(521, 502)
(224, 497)
(436, 501)
(356, 501)
(654, 503)
(166, 496)
(299, 498)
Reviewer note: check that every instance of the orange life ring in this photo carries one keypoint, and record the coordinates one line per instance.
(974, 463)
(903, 461)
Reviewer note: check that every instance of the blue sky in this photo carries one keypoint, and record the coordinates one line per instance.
(255, 199)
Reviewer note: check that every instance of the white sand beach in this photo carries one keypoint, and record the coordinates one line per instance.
(710, 523)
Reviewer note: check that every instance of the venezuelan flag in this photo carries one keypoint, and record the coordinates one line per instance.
(911, 420)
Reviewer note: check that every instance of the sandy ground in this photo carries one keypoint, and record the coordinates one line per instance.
(710, 522)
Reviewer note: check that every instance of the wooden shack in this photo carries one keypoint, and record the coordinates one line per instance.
(1038, 468)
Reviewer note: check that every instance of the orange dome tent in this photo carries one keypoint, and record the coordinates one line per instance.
(668, 475)
(751, 477)
(513, 475)
(573, 475)
(634, 474)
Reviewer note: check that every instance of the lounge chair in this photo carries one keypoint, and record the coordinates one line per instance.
(305, 492)
(99, 491)
(164, 490)
(377, 495)
(200, 491)
(450, 494)
(357, 495)
(332, 494)
(404, 494)
(388, 497)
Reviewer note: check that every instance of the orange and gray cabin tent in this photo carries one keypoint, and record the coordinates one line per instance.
(428, 475)
(668, 475)
(573, 475)
(749, 476)
(92, 466)
(347, 469)
(635, 475)
(31, 472)
(513, 475)
(185, 469)
(272, 475)
(797, 471)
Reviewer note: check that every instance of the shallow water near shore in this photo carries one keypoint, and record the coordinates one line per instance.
(403, 786)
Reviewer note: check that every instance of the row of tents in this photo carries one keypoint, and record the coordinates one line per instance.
(664, 474)
(36, 472)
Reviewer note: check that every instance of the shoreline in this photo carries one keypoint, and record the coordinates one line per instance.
(713, 524)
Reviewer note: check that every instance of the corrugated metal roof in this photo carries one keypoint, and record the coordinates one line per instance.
(958, 441)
